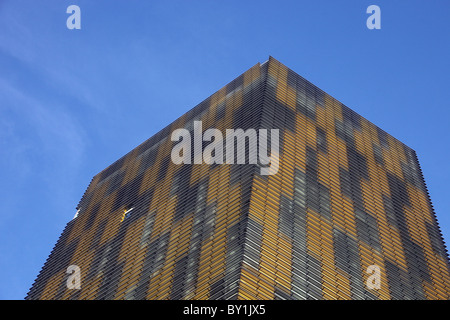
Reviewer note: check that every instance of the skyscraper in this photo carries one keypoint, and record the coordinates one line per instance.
(345, 215)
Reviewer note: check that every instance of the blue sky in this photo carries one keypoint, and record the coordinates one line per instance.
(74, 101)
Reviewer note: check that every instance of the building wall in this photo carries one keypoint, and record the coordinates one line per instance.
(347, 195)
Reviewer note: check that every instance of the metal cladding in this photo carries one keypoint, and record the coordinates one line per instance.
(347, 196)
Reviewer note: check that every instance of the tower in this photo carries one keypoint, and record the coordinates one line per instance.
(347, 200)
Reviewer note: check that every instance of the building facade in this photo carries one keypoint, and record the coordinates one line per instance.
(348, 200)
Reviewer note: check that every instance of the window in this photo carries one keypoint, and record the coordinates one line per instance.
(126, 212)
(76, 214)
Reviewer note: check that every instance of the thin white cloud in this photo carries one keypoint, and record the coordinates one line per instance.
(40, 127)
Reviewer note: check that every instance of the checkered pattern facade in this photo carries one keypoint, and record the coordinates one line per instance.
(347, 195)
